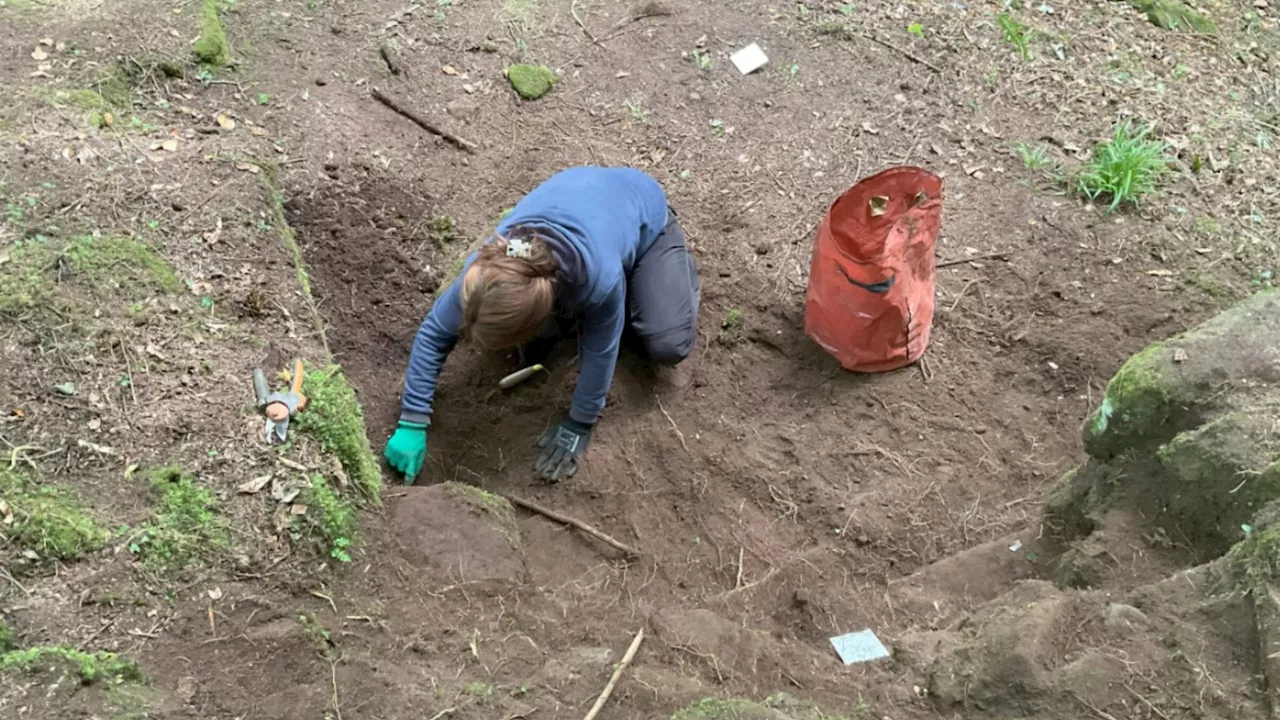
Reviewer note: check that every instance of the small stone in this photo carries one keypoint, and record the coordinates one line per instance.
(321, 82)
(762, 249)
(1124, 617)
(695, 97)
(65, 388)
(1261, 4)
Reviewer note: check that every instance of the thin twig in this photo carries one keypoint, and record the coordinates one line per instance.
(988, 256)
(679, 434)
(534, 507)
(442, 713)
(573, 10)
(383, 98)
(738, 584)
(617, 673)
(913, 58)
(333, 675)
(1096, 711)
(322, 596)
(5, 574)
(1146, 702)
(960, 297)
(622, 24)
(96, 633)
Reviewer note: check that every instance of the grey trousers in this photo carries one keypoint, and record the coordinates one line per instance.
(663, 295)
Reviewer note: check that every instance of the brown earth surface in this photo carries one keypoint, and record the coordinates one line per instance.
(776, 499)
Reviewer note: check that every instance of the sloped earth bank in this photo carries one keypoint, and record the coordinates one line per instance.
(776, 499)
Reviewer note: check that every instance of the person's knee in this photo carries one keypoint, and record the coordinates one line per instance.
(669, 348)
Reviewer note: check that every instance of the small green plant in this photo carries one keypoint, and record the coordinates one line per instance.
(337, 518)
(186, 525)
(703, 59)
(441, 229)
(1263, 280)
(88, 666)
(478, 689)
(1016, 34)
(48, 520)
(731, 328)
(717, 127)
(1034, 157)
(7, 639)
(916, 29)
(845, 9)
(264, 99)
(1126, 167)
(637, 110)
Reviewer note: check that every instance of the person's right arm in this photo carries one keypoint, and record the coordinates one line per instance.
(436, 339)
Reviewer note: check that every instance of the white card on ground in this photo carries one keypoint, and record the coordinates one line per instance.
(862, 646)
(749, 59)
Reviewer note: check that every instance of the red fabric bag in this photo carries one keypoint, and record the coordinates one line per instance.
(870, 296)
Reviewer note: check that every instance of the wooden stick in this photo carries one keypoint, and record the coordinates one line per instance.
(988, 256)
(534, 507)
(617, 673)
(903, 53)
(573, 10)
(461, 143)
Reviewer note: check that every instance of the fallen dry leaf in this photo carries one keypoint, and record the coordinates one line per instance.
(215, 594)
(1160, 273)
(226, 123)
(47, 42)
(95, 424)
(248, 167)
(171, 144)
(250, 487)
(108, 119)
(39, 54)
(446, 69)
(298, 509)
(259, 132)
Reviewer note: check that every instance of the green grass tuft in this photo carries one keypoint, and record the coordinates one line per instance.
(48, 520)
(89, 666)
(187, 525)
(1016, 34)
(1126, 167)
(7, 639)
(211, 48)
(334, 416)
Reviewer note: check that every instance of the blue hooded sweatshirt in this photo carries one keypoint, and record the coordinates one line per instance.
(596, 222)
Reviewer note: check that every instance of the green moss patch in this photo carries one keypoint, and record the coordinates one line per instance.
(333, 518)
(494, 508)
(7, 639)
(124, 267)
(187, 525)
(211, 48)
(90, 667)
(1174, 15)
(1135, 405)
(334, 416)
(531, 81)
(48, 520)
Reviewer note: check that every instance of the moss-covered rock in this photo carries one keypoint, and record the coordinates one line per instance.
(1175, 385)
(531, 81)
(211, 48)
(1174, 15)
(1222, 474)
(334, 415)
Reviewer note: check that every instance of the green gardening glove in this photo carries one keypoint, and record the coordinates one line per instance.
(407, 448)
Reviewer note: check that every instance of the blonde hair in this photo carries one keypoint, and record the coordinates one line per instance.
(505, 300)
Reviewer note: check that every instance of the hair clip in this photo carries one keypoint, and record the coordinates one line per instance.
(518, 248)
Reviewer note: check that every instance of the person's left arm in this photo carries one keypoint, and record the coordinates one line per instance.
(598, 344)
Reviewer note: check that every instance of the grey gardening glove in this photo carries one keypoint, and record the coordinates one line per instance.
(562, 445)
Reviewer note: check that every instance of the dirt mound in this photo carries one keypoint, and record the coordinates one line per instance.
(460, 533)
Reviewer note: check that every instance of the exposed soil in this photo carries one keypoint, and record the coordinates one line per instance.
(777, 500)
